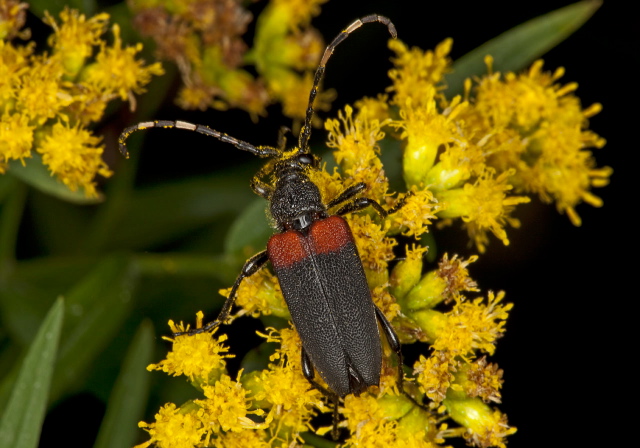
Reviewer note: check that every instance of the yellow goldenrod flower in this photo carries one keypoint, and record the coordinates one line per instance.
(370, 109)
(200, 357)
(426, 130)
(285, 391)
(416, 73)
(12, 18)
(48, 100)
(375, 248)
(74, 39)
(40, 94)
(483, 206)
(417, 212)
(174, 428)
(73, 154)
(16, 139)
(481, 379)
(226, 407)
(298, 12)
(548, 126)
(473, 326)
(435, 374)
(356, 144)
(116, 70)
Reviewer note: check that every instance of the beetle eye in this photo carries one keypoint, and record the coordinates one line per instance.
(306, 159)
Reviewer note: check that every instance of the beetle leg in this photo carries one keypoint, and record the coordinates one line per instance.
(361, 203)
(260, 188)
(308, 372)
(347, 194)
(251, 266)
(394, 342)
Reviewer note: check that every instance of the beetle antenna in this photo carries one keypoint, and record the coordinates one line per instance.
(305, 132)
(260, 151)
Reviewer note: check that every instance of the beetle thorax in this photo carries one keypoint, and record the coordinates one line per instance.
(296, 201)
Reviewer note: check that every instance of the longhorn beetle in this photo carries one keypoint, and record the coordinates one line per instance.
(314, 257)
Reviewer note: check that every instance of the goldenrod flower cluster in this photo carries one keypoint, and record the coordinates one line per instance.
(474, 158)
(204, 39)
(49, 100)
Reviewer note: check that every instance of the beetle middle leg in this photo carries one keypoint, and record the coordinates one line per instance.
(308, 372)
(251, 266)
(362, 203)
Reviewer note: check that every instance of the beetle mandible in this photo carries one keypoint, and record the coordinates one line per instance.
(314, 256)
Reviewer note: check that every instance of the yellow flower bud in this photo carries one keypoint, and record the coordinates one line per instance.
(418, 159)
(441, 178)
(485, 427)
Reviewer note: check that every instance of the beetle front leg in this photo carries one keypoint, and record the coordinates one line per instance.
(261, 188)
(251, 266)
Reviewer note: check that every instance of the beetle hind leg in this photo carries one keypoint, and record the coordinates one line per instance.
(251, 266)
(308, 372)
(394, 342)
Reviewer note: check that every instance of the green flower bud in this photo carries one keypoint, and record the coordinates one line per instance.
(426, 294)
(404, 276)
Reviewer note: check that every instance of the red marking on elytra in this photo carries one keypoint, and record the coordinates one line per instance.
(286, 248)
(329, 235)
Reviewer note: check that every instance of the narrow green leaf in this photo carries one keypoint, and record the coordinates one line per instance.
(317, 441)
(97, 306)
(520, 46)
(30, 286)
(250, 229)
(221, 267)
(129, 395)
(36, 174)
(10, 217)
(38, 7)
(22, 421)
(172, 210)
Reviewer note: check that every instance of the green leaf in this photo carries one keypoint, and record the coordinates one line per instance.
(129, 395)
(22, 421)
(165, 212)
(34, 173)
(10, 217)
(250, 229)
(97, 307)
(520, 46)
(38, 7)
